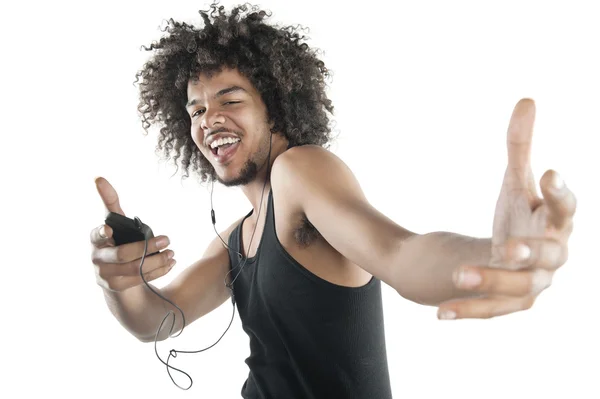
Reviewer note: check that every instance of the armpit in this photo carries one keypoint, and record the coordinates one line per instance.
(306, 233)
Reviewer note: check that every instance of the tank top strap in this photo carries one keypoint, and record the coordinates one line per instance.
(234, 241)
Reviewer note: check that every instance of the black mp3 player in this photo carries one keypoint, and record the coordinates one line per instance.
(126, 230)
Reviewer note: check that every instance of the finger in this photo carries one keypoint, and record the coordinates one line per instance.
(101, 236)
(519, 137)
(520, 133)
(560, 200)
(543, 253)
(121, 283)
(109, 196)
(509, 283)
(484, 308)
(129, 252)
(151, 263)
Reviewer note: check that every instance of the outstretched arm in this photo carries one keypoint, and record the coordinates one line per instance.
(418, 266)
(466, 276)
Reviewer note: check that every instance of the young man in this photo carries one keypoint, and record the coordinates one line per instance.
(243, 103)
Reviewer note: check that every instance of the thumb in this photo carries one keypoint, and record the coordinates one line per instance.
(109, 196)
(519, 138)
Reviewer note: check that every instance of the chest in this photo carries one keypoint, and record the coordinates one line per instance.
(303, 242)
(298, 234)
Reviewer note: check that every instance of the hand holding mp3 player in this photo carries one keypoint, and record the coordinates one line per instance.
(117, 250)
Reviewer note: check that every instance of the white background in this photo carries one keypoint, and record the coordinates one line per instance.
(423, 92)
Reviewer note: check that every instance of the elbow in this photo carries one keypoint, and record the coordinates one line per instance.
(143, 338)
(147, 338)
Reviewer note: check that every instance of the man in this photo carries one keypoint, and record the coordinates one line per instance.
(243, 103)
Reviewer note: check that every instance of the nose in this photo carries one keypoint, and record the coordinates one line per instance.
(211, 119)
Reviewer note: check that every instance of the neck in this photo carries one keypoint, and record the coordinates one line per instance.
(254, 190)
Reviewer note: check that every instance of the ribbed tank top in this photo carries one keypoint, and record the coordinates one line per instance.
(309, 338)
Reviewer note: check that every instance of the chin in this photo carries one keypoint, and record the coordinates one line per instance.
(241, 176)
(233, 181)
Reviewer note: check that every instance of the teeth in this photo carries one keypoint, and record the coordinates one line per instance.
(222, 141)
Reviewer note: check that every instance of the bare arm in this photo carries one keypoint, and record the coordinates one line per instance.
(499, 275)
(419, 267)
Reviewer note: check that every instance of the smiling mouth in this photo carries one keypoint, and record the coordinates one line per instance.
(224, 153)
(220, 149)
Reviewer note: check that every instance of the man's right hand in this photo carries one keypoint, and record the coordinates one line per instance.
(117, 268)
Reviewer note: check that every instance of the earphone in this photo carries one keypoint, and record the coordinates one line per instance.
(212, 214)
(173, 353)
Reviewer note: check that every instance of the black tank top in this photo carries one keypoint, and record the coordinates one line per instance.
(309, 338)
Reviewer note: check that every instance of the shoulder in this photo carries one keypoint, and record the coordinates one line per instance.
(307, 162)
(304, 155)
(308, 174)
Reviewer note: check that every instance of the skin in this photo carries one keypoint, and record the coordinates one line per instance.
(465, 277)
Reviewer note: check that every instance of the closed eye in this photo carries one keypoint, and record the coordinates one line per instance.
(197, 113)
(201, 110)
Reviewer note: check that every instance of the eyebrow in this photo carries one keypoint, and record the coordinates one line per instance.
(219, 94)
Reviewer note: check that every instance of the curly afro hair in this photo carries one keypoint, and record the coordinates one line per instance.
(284, 70)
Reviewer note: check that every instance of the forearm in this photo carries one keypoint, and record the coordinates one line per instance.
(140, 311)
(425, 264)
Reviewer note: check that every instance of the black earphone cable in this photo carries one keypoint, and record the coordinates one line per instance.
(173, 353)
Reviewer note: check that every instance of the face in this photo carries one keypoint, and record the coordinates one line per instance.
(229, 125)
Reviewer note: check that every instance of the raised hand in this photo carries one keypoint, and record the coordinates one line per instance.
(530, 234)
(117, 267)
